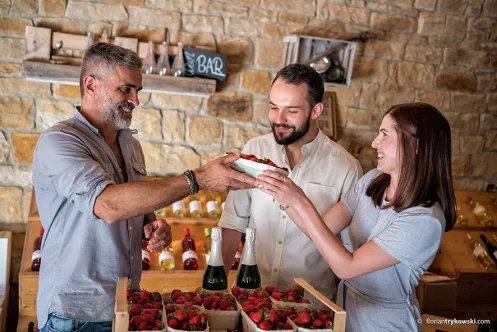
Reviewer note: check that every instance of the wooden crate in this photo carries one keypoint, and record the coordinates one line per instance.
(299, 49)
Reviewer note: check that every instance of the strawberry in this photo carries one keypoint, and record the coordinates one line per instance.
(216, 298)
(303, 319)
(214, 305)
(273, 316)
(249, 308)
(288, 326)
(136, 320)
(317, 323)
(145, 295)
(184, 325)
(188, 304)
(142, 301)
(173, 323)
(197, 320)
(148, 318)
(256, 316)
(198, 300)
(236, 291)
(261, 293)
(208, 302)
(143, 327)
(181, 316)
(270, 289)
(323, 316)
(169, 308)
(264, 325)
(148, 305)
(156, 296)
(241, 297)
(277, 295)
(261, 305)
(129, 293)
(328, 324)
(175, 295)
(136, 309)
(291, 299)
(225, 304)
(302, 300)
(191, 315)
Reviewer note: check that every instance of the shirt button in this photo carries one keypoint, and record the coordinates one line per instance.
(131, 256)
(275, 270)
(274, 200)
(279, 242)
(284, 217)
(130, 228)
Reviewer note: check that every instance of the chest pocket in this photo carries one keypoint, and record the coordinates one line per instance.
(139, 172)
(109, 169)
(322, 196)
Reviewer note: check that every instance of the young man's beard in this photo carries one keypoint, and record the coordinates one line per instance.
(294, 136)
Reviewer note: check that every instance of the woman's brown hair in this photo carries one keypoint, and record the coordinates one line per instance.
(425, 173)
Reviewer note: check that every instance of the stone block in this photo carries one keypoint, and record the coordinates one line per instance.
(307, 8)
(466, 102)
(204, 131)
(245, 2)
(468, 122)
(10, 68)
(138, 15)
(469, 185)
(66, 91)
(347, 95)
(184, 6)
(431, 24)
(162, 159)
(198, 23)
(358, 118)
(211, 155)
(296, 19)
(370, 70)
(12, 49)
(242, 27)
(457, 81)
(5, 6)
(438, 99)
(261, 112)
(232, 78)
(384, 49)
(393, 23)
(178, 102)
(484, 165)
(52, 7)
(471, 144)
(354, 15)
(16, 113)
(454, 7)
(455, 27)
(4, 148)
(491, 140)
(270, 54)
(13, 26)
(97, 11)
(173, 126)
(230, 105)
(13, 86)
(263, 15)
(24, 145)
(322, 10)
(148, 123)
(391, 95)
(10, 205)
(51, 112)
(424, 54)
(24, 7)
(127, 2)
(369, 96)
(418, 75)
(460, 165)
(486, 82)
(65, 25)
(490, 8)
(462, 57)
(273, 30)
(236, 136)
(256, 81)
(238, 50)
(488, 121)
(426, 4)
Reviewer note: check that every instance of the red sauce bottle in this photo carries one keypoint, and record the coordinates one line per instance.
(190, 258)
(36, 256)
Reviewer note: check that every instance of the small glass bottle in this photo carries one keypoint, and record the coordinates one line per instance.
(461, 218)
(248, 275)
(236, 260)
(215, 278)
(163, 66)
(482, 216)
(212, 207)
(207, 244)
(179, 209)
(195, 207)
(491, 249)
(481, 254)
(104, 38)
(178, 68)
(189, 256)
(145, 255)
(36, 255)
(149, 61)
(166, 259)
(161, 213)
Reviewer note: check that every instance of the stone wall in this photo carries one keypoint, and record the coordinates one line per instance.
(443, 52)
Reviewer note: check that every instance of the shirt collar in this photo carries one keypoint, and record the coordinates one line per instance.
(82, 119)
(308, 147)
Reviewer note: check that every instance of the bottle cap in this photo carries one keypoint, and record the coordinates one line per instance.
(217, 233)
(186, 231)
(250, 234)
(207, 232)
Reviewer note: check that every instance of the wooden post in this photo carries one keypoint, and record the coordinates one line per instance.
(121, 317)
(37, 43)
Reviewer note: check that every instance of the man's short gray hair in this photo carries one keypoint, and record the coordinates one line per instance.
(103, 57)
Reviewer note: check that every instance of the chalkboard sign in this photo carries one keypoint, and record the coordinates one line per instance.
(205, 64)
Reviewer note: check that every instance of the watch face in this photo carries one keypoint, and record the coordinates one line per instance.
(321, 65)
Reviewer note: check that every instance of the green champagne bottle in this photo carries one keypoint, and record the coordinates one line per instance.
(215, 278)
(249, 276)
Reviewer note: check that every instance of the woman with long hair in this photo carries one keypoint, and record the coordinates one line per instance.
(396, 214)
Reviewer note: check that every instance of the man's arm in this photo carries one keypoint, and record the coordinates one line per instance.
(231, 239)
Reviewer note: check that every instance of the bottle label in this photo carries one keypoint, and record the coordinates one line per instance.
(478, 250)
(195, 206)
(36, 254)
(145, 254)
(166, 255)
(178, 206)
(212, 206)
(479, 209)
(207, 256)
(189, 254)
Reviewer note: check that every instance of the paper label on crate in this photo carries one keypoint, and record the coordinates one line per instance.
(36, 254)
(479, 209)
(195, 206)
(166, 255)
(478, 251)
(189, 254)
(178, 206)
(145, 254)
(212, 206)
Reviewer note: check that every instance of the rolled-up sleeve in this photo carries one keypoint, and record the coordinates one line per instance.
(63, 163)
(236, 213)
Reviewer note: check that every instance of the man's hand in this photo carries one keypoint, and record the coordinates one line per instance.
(218, 176)
(158, 234)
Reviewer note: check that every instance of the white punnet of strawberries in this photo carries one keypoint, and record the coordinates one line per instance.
(257, 298)
(312, 319)
(191, 319)
(290, 295)
(186, 299)
(144, 310)
(219, 301)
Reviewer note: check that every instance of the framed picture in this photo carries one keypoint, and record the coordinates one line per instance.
(327, 121)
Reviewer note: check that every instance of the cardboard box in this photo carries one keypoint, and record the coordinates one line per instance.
(433, 323)
(436, 293)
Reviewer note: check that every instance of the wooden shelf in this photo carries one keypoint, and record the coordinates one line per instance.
(67, 74)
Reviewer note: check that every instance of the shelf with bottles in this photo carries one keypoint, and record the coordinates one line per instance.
(476, 210)
(55, 57)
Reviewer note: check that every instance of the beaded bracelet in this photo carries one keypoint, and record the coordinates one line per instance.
(192, 181)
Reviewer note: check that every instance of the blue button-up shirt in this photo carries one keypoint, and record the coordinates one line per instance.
(82, 255)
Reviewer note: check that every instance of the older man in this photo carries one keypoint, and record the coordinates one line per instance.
(89, 179)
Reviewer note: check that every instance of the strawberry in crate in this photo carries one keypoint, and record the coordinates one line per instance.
(257, 297)
(218, 301)
(187, 299)
(187, 319)
(290, 295)
(270, 319)
(313, 319)
(144, 310)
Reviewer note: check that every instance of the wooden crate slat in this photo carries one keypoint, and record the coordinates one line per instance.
(52, 73)
(69, 41)
(37, 43)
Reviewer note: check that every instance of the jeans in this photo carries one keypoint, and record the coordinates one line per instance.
(60, 324)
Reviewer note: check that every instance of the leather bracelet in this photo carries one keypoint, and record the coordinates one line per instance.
(192, 181)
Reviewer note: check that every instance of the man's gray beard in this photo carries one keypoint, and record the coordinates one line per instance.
(113, 116)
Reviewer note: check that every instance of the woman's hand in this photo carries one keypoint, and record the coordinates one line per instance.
(282, 188)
